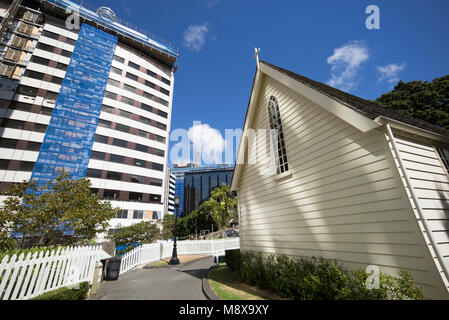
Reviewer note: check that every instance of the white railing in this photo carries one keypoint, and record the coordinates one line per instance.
(26, 276)
(149, 253)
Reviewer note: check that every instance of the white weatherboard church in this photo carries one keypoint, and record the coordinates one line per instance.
(353, 181)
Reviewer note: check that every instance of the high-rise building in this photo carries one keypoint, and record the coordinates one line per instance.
(194, 184)
(93, 99)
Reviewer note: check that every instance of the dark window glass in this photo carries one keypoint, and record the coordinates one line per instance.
(150, 84)
(44, 46)
(136, 196)
(98, 155)
(147, 107)
(56, 80)
(163, 102)
(119, 143)
(50, 34)
(162, 113)
(132, 76)
(148, 95)
(8, 143)
(46, 111)
(137, 179)
(104, 123)
(156, 182)
(122, 214)
(34, 74)
(151, 73)
(33, 146)
(130, 88)
(143, 134)
(159, 138)
(166, 81)
(70, 41)
(125, 114)
(144, 120)
(157, 166)
(119, 59)
(66, 53)
(110, 95)
(158, 152)
(161, 126)
(138, 214)
(111, 194)
(39, 60)
(29, 91)
(93, 173)
(40, 127)
(13, 124)
(122, 128)
(139, 163)
(117, 158)
(51, 95)
(155, 198)
(4, 164)
(107, 109)
(141, 147)
(101, 139)
(15, 105)
(94, 191)
(61, 66)
(133, 65)
(26, 166)
(164, 91)
(114, 83)
(116, 70)
(114, 176)
(127, 101)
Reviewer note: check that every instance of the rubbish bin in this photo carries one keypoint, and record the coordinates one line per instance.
(113, 268)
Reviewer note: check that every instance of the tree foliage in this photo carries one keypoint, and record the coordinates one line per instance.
(222, 206)
(49, 212)
(428, 101)
(187, 226)
(143, 232)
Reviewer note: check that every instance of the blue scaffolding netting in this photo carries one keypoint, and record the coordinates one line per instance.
(68, 141)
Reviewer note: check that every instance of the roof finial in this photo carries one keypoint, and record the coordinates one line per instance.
(256, 56)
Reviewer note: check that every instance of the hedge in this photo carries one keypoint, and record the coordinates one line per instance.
(317, 278)
(65, 293)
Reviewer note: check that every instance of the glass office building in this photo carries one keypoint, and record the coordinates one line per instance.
(199, 182)
(94, 101)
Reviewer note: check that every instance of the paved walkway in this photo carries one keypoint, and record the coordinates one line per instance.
(179, 282)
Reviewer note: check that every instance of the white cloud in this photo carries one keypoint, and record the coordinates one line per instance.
(390, 73)
(346, 62)
(213, 3)
(208, 141)
(195, 36)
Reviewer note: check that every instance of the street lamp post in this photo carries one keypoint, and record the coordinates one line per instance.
(174, 258)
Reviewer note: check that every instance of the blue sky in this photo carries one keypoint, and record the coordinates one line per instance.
(325, 40)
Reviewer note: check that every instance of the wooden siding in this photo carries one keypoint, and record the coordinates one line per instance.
(430, 182)
(343, 200)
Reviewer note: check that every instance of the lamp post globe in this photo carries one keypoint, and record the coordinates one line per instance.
(174, 258)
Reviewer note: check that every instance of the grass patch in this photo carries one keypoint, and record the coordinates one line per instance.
(227, 286)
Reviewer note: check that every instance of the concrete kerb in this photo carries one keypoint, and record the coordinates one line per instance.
(207, 290)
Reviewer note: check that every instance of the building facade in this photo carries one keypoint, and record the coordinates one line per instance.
(169, 203)
(94, 101)
(199, 182)
(352, 181)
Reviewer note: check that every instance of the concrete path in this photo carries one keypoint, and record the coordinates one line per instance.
(181, 282)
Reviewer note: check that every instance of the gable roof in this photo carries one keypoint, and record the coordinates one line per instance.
(363, 114)
(367, 108)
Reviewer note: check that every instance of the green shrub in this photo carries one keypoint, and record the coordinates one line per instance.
(319, 279)
(232, 258)
(65, 293)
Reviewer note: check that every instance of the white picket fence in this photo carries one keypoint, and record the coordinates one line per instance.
(149, 253)
(24, 277)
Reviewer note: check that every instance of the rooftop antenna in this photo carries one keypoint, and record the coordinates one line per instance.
(256, 56)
